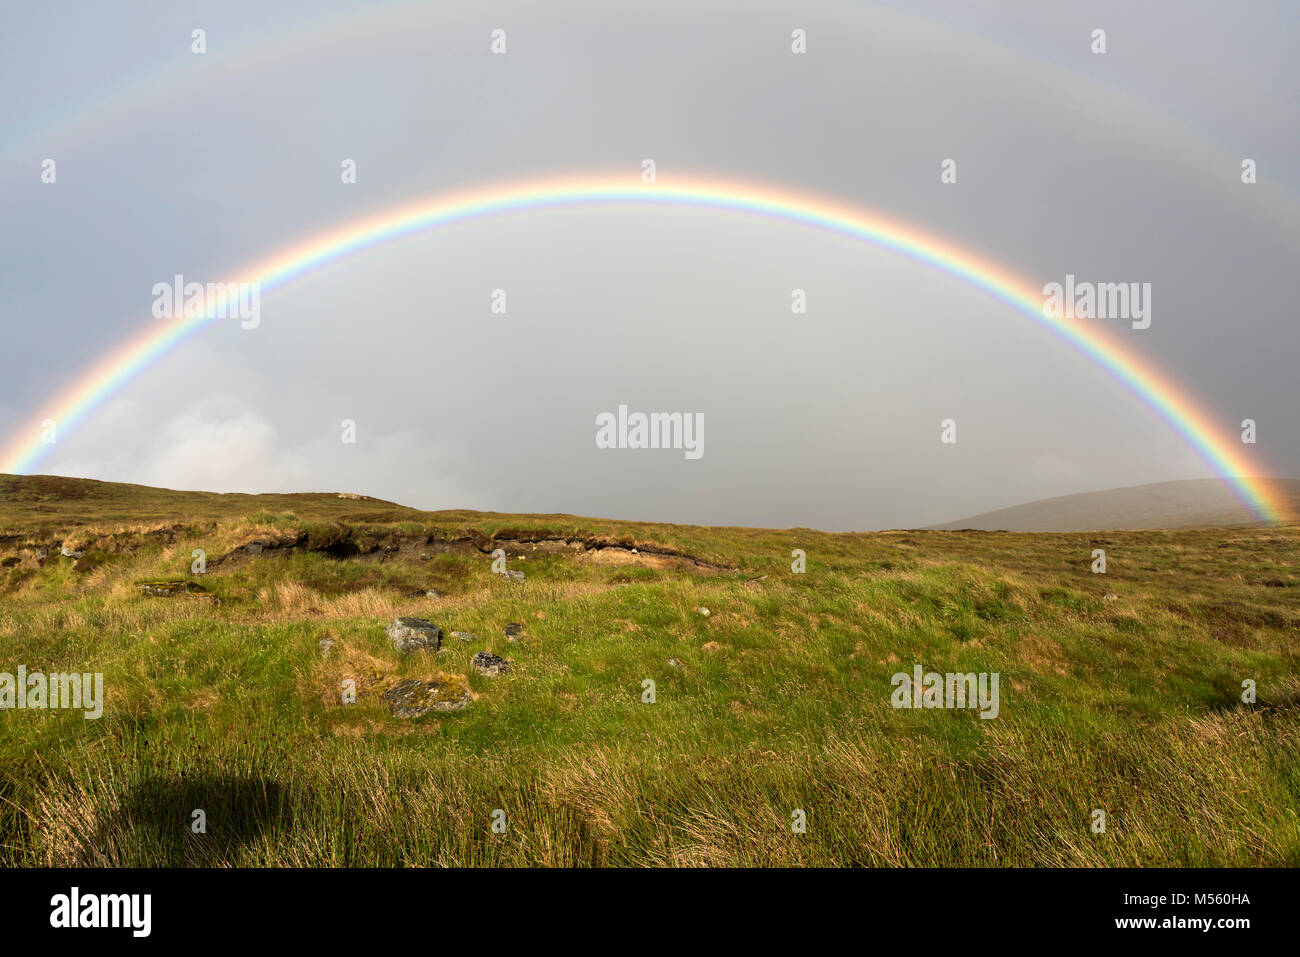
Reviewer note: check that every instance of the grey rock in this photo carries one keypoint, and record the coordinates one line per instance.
(465, 636)
(414, 634)
(255, 548)
(514, 631)
(486, 663)
(325, 644)
(415, 696)
(674, 663)
(67, 552)
(514, 576)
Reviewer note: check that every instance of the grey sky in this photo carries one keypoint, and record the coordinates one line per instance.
(1117, 167)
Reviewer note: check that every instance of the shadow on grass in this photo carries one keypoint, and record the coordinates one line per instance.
(157, 820)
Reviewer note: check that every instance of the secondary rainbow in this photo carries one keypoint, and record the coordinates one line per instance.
(26, 449)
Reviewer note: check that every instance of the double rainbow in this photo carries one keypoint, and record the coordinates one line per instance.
(1219, 450)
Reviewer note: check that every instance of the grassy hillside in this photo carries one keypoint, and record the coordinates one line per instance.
(1191, 503)
(1119, 692)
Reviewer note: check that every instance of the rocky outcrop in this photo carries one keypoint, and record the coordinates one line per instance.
(343, 541)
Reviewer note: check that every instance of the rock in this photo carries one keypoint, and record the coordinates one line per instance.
(255, 548)
(67, 552)
(514, 631)
(674, 663)
(177, 587)
(1110, 596)
(703, 611)
(413, 634)
(514, 576)
(325, 644)
(426, 593)
(486, 663)
(415, 696)
(465, 636)
(171, 588)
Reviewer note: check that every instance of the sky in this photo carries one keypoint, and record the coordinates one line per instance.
(1122, 166)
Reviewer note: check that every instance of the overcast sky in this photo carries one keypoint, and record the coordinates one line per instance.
(1116, 167)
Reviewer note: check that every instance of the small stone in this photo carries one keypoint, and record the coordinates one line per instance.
(325, 644)
(255, 548)
(67, 552)
(514, 576)
(486, 663)
(703, 611)
(674, 663)
(465, 636)
(414, 696)
(412, 634)
(514, 631)
(1110, 596)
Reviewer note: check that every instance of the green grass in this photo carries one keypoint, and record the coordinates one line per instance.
(1130, 704)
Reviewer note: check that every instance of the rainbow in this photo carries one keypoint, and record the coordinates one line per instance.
(1198, 429)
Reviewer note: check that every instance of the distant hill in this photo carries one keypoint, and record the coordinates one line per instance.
(1193, 503)
(61, 501)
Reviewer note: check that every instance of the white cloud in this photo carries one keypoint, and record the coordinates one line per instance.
(219, 443)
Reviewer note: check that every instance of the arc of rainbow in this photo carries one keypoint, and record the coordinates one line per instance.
(1170, 403)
